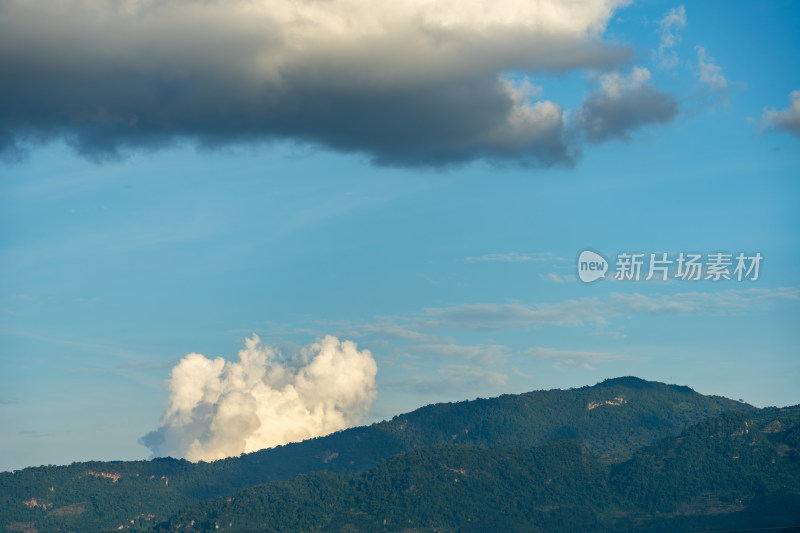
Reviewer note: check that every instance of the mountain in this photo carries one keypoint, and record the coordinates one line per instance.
(610, 420)
(738, 471)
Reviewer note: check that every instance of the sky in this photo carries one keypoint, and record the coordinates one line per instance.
(229, 225)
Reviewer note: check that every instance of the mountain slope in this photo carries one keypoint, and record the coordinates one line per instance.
(732, 471)
(611, 419)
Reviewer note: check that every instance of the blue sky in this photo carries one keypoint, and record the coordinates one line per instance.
(123, 248)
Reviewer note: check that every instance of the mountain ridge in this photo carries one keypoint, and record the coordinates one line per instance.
(736, 470)
(612, 419)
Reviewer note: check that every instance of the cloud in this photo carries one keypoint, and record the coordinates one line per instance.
(517, 257)
(32, 433)
(710, 74)
(411, 83)
(623, 104)
(556, 278)
(220, 408)
(490, 317)
(462, 380)
(489, 355)
(674, 20)
(721, 303)
(570, 358)
(394, 331)
(142, 366)
(598, 311)
(472, 375)
(86, 370)
(787, 120)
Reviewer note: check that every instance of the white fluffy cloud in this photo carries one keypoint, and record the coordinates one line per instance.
(219, 408)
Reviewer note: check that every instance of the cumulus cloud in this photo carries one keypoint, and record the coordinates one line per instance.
(220, 408)
(408, 83)
(673, 21)
(787, 120)
(622, 104)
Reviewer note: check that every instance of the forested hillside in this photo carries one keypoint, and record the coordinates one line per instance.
(735, 471)
(611, 420)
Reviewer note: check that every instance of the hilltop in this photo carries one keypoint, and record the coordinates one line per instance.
(610, 421)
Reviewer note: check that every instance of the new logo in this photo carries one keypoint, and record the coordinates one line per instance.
(591, 266)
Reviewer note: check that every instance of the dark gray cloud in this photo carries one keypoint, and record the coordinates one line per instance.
(622, 105)
(787, 120)
(411, 84)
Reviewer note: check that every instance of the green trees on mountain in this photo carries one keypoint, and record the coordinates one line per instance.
(718, 473)
(545, 457)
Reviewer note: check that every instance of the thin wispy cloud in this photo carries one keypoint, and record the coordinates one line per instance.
(710, 75)
(395, 331)
(473, 374)
(518, 257)
(86, 371)
(86, 345)
(611, 333)
(491, 316)
(451, 380)
(669, 26)
(571, 358)
(599, 313)
(32, 433)
(144, 366)
(597, 310)
(557, 278)
(484, 354)
(145, 232)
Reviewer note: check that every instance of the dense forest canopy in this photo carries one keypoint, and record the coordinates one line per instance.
(623, 453)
